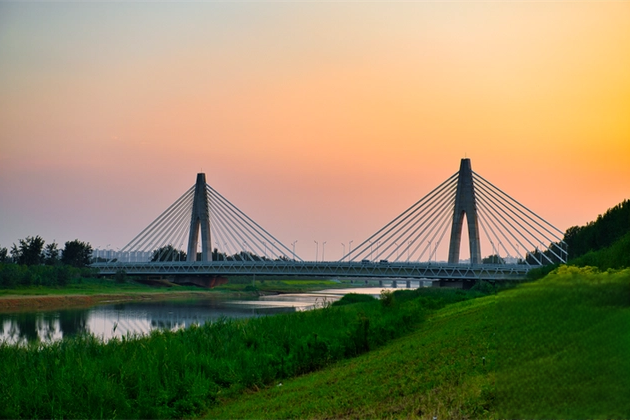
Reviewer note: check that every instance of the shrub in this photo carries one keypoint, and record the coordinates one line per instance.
(387, 299)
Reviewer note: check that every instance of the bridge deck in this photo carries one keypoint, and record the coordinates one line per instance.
(503, 272)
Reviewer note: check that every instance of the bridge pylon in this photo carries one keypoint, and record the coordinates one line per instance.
(200, 220)
(465, 205)
(216, 229)
(509, 231)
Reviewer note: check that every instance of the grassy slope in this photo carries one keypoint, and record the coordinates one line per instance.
(564, 346)
(555, 348)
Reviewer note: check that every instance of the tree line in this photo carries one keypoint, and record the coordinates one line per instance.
(33, 262)
(170, 253)
(600, 233)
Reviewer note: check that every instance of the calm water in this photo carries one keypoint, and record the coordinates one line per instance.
(118, 320)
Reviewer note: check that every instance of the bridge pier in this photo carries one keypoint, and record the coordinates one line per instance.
(408, 284)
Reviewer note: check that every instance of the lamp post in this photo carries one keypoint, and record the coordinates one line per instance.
(316, 250)
(293, 243)
(429, 251)
(350, 247)
(370, 250)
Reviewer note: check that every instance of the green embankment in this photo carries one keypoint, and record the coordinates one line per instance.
(556, 348)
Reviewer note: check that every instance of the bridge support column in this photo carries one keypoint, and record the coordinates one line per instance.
(408, 284)
(465, 205)
(394, 284)
(200, 218)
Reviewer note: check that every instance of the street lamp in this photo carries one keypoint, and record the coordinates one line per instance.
(293, 243)
(350, 247)
(316, 250)
(370, 249)
(429, 251)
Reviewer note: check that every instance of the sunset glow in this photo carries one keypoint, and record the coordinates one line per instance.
(321, 121)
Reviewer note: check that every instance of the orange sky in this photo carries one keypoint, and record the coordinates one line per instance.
(321, 121)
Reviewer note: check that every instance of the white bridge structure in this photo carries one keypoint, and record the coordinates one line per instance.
(222, 241)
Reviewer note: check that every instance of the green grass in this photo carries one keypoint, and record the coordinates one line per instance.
(564, 343)
(556, 348)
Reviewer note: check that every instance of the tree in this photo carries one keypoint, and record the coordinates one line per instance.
(168, 253)
(76, 253)
(493, 259)
(51, 254)
(4, 255)
(29, 252)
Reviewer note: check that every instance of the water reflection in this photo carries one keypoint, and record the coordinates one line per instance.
(122, 319)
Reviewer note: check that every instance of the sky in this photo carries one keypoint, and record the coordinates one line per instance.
(322, 121)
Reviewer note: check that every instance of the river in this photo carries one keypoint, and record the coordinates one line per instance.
(121, 319)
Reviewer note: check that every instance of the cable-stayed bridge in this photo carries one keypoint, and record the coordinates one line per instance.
(221, 240)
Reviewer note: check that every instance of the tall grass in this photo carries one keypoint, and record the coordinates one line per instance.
(176, 374)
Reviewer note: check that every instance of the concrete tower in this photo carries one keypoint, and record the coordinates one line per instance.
(465, 205)
(200, 219)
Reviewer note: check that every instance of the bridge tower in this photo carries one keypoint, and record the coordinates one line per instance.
(200, 218)
(465, 204)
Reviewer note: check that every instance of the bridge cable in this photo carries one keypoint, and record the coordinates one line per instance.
(360, 249)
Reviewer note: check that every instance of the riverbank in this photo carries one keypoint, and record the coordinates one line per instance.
(16, 303)
(174, 374)
(101, 291)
